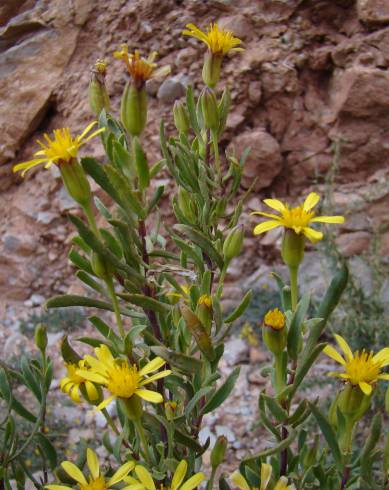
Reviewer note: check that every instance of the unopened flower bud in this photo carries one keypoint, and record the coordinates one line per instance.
(204, 311)
(233, 243)
(181, 117)
(211, 68)
(292, 249)
(133, 110)
(100, 267)
(209, 109)
(97, 92)
(41, 337)
(353, 402)
(218, 452)
(274, 331)
(184, 202)
(76, 182)
(170, 410)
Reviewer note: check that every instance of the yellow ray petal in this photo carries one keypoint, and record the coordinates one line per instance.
(145, 477)
(275, 204)
(344, 346)
(179, 475)
(328, 219)
(265, 226)
(74, 394)
(311, 201)
(93, 463)
(154, 377)
(334, 354)
(105, 403)
(365, 387)
(57, 487)
(152, 366)
(383, 376)
(91, 389)
(150, 396)
(266, 471)
(193, 482)
(97, 378)
(87, 129)
(268, 215)
(382, 357)
(239, 481)
(121, 473)
(74, 472)
(312, 235)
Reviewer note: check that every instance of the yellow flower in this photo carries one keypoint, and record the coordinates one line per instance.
(266, 471)
(219, 42)
(140, 69)
(298, 218)
(59, 150)
(96, 480)
(71, 383)
(145, 480)
(120, 378)
(100, 66)
(205, 299)
(362, 368)
(274, 319)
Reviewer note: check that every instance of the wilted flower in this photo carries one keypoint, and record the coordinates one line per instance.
(266, 471)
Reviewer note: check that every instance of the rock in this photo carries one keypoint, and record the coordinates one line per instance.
(235, 351)
(31, 67)
(353, 243)
(360, 92)
(255, 92)
(264, 160)
(239, 24)
(256, 378)
(171, 89)
(258, 356)
(373, 11)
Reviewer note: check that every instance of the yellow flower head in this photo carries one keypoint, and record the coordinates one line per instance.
(144, 480)
(100, 66)
(72, 383)
(362, 368)
(274, 319)
(95, 481)
(140, 69)
(120, 378)
(266, 472)
(59, 150)
(205, 299)
(219, 42)
(298, 219)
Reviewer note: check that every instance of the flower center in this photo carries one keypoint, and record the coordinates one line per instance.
(362, 368)
(123, 380)
(274, 319)
(97, 484)
(296, 218)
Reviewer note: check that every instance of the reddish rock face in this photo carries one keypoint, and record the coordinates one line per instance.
(373, 11)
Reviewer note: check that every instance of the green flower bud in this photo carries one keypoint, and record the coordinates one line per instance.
(181, 117)
(353, 403)
(198, 331)
(40, 337)
(218, 452)
(292, 249)
(204, 311)
(133, 110)
(274, 331)
(211, 68)
(132, 407)
(209, 109)
(76, 182)
(97, 92)
(233, 243)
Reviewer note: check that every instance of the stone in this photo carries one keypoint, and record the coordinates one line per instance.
(255, 92)
(31, 67)
(353, 243)
(264, 160)
(235, 351)
(360, 92)
(239, 24)
(171, 89)
(373, 11)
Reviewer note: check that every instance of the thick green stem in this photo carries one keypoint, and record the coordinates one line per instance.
(293, 273)
(142, 436)
(215, 144)
(115, 303)
(279, 375)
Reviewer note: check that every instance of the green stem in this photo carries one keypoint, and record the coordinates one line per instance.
(91, 218)
(279, 377)
(115, 303)
(212, 479)
(142, 436)
(293, 273)
(111, 423)
(215, 144)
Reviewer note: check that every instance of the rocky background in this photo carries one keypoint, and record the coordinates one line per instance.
(310, 98)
